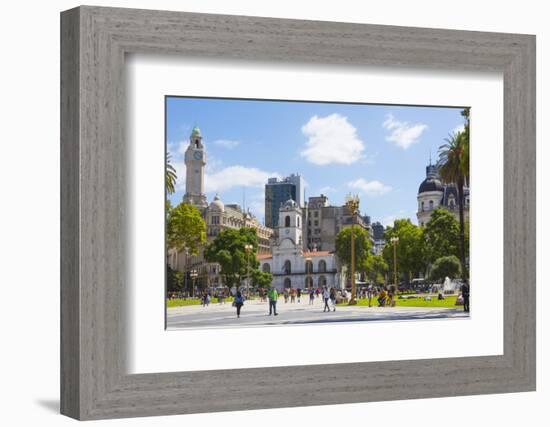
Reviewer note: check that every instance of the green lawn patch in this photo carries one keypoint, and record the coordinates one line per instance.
(448, 302)
(182, 302)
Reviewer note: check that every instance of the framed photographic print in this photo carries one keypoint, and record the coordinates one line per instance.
(236, 191)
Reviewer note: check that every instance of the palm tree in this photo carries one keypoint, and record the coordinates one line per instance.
(454, 165)
(171, 176)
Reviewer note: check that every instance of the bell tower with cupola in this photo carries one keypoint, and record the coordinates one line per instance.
(195, 161)
(290, 226)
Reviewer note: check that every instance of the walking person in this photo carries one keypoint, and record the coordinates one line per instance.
(272, 295)
(238, 302)
(332, 296)
(326, 298)
(299, 293)
(292, 296)
(465, 289)
(285, 295)
(311, 296)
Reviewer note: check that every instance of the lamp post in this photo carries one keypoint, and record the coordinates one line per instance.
(394, 241)
(352, 203)
(194, 275)
(248, 248)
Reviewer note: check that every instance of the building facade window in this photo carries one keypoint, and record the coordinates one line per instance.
(431, 204)
(309, 267)
(322, 266)
(288, 283)
(422, 206)
(322, 281)
(287, 268)
(266, 268)
(287, 221)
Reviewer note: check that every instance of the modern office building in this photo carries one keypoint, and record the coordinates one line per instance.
(277, 192)
(378, 237)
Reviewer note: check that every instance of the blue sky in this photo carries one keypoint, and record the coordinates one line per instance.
(377, 151)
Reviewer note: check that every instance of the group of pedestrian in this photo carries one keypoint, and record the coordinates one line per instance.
(383, 295)
(292, 294)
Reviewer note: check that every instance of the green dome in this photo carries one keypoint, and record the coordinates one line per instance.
(196, 131)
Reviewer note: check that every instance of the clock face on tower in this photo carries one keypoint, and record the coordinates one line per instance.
(197, 155)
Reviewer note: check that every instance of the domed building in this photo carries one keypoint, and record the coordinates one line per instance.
(433, 194)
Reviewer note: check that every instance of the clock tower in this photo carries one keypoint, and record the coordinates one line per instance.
(195, 161)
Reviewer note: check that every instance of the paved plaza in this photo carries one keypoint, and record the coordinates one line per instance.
(256, 313)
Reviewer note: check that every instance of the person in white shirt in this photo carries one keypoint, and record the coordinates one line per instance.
(326, 297)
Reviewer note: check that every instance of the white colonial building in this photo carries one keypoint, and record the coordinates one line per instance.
(290, 266)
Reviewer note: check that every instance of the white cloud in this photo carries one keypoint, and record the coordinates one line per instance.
(403, 134)
(226, 143)
(180, 173)
(237, 176)
(257, 206)
(177, 148)
(331, 139)
(370, 188)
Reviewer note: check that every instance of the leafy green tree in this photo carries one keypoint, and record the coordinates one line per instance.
(362, 245)
(228, 250)
(185, 228)
(376, 268)
(171, 176)
(174, 280)
(454, 165)
(261, 278)
(442, 235)
(411, 248)
(447, 266)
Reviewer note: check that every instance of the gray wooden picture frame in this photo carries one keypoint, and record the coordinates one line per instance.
(94, 381)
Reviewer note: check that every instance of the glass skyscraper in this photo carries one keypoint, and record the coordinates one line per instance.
(277, 192)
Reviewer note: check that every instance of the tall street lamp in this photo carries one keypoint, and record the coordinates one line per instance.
(248, 248)
(352, 203)
(394, 241)
(194, 275)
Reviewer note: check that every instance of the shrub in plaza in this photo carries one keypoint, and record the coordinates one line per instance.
(447, 266)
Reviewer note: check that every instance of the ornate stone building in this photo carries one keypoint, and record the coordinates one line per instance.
(217, 215)
(433, 194)
(322, 222)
